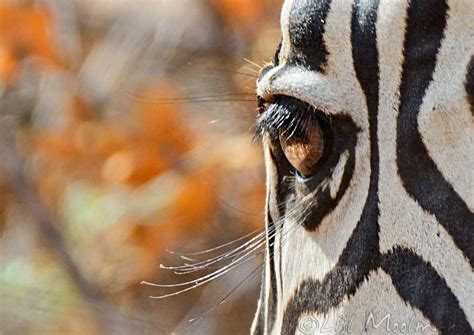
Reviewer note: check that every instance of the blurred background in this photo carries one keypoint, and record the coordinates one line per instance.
(126, 131)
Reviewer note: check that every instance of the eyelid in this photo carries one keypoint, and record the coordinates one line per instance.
(315, 89)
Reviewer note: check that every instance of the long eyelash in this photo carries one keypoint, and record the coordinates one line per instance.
(287, 116)
(219, 97)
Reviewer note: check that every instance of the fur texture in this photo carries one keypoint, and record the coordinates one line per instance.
(386, 224)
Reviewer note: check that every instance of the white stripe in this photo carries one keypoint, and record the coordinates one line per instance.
(285, 30)
(336, 178)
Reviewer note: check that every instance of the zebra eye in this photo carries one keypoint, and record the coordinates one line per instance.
(304, 147)
(299, 131)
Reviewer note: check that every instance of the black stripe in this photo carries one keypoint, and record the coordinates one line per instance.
(421, 178)
(361, 255)
(469, 84)
(366, 65)
(306, 30)
(420, 285)
(320, 296)
(362, 249)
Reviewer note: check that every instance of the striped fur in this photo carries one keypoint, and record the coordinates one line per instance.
(388, 218)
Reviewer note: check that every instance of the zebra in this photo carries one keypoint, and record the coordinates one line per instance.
(366, 117)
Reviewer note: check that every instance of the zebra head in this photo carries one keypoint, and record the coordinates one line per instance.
(366, 115)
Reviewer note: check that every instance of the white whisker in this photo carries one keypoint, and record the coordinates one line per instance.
(253, 63)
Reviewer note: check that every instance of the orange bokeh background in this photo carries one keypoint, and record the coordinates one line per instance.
(126, 132)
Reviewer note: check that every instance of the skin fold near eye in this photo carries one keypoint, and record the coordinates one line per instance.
(303, 149)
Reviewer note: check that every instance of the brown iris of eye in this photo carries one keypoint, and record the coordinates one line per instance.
(303, 148)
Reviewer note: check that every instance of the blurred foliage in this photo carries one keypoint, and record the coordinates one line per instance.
(132, 122)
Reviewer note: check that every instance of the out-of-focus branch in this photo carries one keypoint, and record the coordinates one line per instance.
(28, 195)
(13, 167)
(109, 320)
